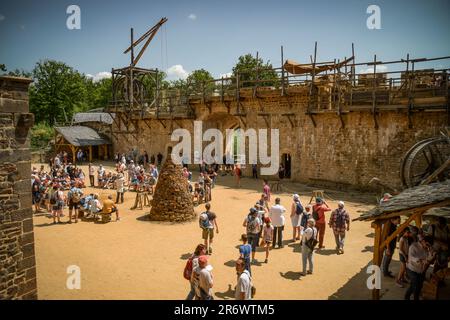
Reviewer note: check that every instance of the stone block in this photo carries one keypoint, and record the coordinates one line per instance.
(13, 106)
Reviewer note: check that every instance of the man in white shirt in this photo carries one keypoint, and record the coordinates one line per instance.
(418, 262)
(202, 280)
(244, 284)
(276, 214)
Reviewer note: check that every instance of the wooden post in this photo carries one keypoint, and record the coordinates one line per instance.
(376, 255)
(90, 153)
(374, 97)
(282, 72)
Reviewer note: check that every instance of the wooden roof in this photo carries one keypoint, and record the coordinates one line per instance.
(81, 136)
(434, 194)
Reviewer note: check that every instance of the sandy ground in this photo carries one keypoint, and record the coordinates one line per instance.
(139, 259)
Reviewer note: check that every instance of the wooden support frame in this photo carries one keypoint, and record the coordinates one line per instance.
(162, 123)
(377, 256)
(267, 118)
(242, 119)
(209, 106)
(289, 115)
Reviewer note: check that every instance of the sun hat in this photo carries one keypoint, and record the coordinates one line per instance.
(295, 196)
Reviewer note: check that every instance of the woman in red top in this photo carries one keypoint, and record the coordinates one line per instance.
(238, 174)
(320, 208)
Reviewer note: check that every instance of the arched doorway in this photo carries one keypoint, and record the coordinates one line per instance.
(286, 161)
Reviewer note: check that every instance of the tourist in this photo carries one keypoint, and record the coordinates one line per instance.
(386, 198)
(202, 279)
(48, 196)
(36, 195)
(212, 174)
(281, 172)
(267, 236)
(390, 248)
(145, 158)
(253, 226)
(131, 172)
(120, 187)
(59, 203)
(318, 213)
(276, 214)
(263, 202)
(109, 207)
(296, 212)
(159, 157)
(339, 222)
(208, 186)
(440, 234)
(403, 248)
(191, 264)
(266, 190)
(255, 171)
(208, 221)
(307, 214)
(245, 251)
(80, 156)
(94, 206)
(199, 193)
(100, 176)
(309, 240)
(91, 174)
(417, 265)
(243, 289)
(53, 203)
(74, 196)
(238, 175)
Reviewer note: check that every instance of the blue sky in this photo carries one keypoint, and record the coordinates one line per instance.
(220, 32)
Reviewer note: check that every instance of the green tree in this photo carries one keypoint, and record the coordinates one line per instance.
(200, 79)
(58, 91)
(251, 69)
(2, 67)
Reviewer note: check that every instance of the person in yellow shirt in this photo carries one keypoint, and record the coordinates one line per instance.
(109, 207)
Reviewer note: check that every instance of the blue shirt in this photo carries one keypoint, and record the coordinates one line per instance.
(245, 250)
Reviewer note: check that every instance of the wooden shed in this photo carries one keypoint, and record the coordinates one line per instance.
(73, 138)
(411, 204)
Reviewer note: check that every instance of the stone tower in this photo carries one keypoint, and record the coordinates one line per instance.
(172, 200)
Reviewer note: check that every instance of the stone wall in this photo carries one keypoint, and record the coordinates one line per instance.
(328, 154)
(17, 255)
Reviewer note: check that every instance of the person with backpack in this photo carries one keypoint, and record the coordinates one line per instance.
(202, 279)
(318, 214)
(59, 200)
(253, 225)
(207, 222)
(296, 213)
(54, 204)
(74, 197)
(309, 241)
(339, 222)
(191, 264)
(244, 285)
(245, 251)
(306, 215)
(267, 236)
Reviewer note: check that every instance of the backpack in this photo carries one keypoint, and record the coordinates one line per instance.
(75, 197)
(298, 208)
(252, 225)
(54, 197)
(187, 272)
(304, 220)
(312, 242)
(315, 214)
(204, 224)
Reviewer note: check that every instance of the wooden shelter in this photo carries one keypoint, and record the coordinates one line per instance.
(412, 204)
(74, 138)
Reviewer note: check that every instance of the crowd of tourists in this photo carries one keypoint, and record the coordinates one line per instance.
(264, 227)
(418, 249)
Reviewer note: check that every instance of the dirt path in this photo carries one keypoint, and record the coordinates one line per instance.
(138, 259)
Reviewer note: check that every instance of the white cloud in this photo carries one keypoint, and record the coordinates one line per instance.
(176, 72)
(2, 17)
(99, 76)
(380, 69)
(192, 16)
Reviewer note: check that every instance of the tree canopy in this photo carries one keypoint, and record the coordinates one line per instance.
(251, 69)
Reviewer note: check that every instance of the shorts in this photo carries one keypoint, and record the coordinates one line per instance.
(73, 205)
(402, 258)
(58, 206)
(209, 232)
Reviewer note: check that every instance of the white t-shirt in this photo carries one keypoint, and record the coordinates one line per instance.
(244, 284)
(202, 278)
(277, 215)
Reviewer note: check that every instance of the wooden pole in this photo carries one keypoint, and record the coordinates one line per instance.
(376, 255)
(282, 72)
(90, 153)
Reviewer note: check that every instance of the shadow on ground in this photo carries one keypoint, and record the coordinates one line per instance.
(291, 275)
(227, 295)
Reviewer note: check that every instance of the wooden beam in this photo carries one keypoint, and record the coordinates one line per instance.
(400, 229)
(437, 172)
(289, 115)
(162, 123)
(376, 255)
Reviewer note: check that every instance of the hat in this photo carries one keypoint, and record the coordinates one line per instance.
(295, 196)
(319, 200)
(253, 210)
(203, 259)
(341, 204)
(267, 219)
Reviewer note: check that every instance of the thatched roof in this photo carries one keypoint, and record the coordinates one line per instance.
(416, 197)
(438, 212)
(93, 117)
(81, 136)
